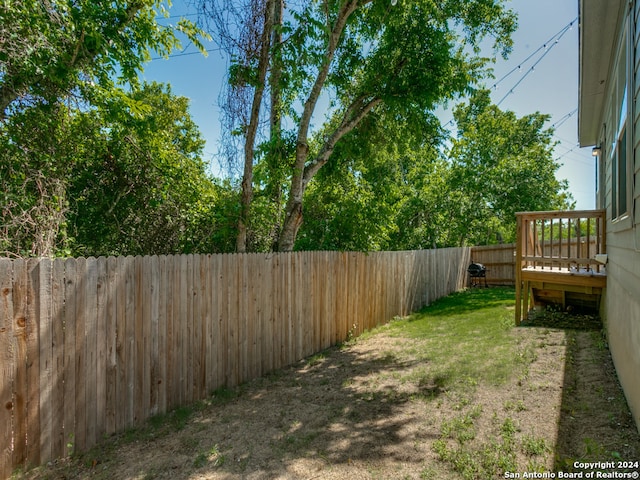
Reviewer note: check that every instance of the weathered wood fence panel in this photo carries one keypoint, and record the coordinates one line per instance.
(499, 260)
(89, 347)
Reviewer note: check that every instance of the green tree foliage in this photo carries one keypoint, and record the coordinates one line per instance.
(353, 202)
(410, 193)
(106, 181)
(501, 164)
(51, 49)
(373, 56)
(144, 188)
(86, 167)
(36, 158)
(367, 57)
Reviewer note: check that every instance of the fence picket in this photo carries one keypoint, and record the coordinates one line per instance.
(154, 333)
(194, 331)
(101, 348)
(161, 372)
(57, 338)
(136, 359)
(91, 354)
(171, 296)
(33, 364)
(94, 346)
(145, 359)
(7, 367)
(70, 349)
(111, 292)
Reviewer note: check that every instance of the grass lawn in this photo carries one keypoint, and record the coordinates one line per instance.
(452, 392)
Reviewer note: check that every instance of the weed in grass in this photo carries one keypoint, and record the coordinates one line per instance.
(315, 359)
(508, 429)
(592, 449)
(458, 447)
(459, 429)
(600, 339)
(180, 417)
(216, 456)
(223, 395)
(211, 457)
(462, 429)
(533, 446)
(157, 421)
(516, 406)
(429, 473)
(200, 460)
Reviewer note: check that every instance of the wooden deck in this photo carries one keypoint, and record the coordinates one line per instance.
(556, 259)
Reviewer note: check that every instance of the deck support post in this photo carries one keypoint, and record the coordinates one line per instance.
(518, 269)
(549, 264)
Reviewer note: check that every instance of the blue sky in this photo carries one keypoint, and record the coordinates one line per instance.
(551, 87)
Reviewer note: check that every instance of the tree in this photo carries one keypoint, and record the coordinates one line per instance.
(36, 158)
(370, 55)
(501, 164)
(49, 50)
(105, 181)
(248, 31)
(412, 193)
(142, 187)
(57, 59)
(354, 201)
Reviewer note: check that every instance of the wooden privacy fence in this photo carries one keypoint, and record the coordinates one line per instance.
(89, 347)
(499, 260)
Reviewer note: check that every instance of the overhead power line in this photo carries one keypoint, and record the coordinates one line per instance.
(547, 46)
(554, 38)
(185, 54)
(565, 118)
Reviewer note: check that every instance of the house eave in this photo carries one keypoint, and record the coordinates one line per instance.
(599, 23)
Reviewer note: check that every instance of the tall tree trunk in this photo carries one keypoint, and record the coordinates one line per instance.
(252, 129)
(293, 220)
(293, 211)
(276, 152)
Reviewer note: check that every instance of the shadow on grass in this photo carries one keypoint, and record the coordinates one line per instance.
(595, 423)
(335, 409)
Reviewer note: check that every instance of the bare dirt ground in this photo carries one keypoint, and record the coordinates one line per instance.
(367, 410)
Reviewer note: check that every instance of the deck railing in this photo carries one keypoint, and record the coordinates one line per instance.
(563, 245)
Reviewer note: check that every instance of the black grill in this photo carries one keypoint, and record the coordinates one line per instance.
(477, 272)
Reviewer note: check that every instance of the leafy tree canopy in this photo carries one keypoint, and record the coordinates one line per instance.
(367, 57)
(54, 48)
(103, 181)
(410, 193)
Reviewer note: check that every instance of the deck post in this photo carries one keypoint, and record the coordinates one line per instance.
(518, 269)
(544, 275)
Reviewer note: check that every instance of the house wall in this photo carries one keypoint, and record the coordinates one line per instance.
(622, 311)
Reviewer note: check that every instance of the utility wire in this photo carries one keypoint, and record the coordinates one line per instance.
(565, 118)
(547, 50)
(547, 46)
(185, 54)
(559, 34)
